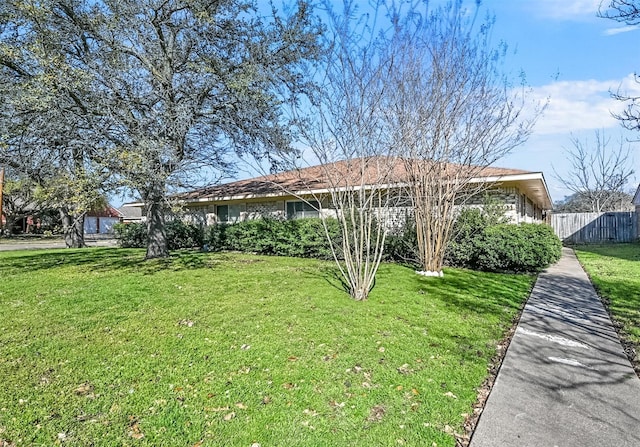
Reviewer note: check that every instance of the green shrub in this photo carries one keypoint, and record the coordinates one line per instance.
(481, 240)
(517, 248)
(313, 238)
(401, 244)
(466, 234)
(131, 235)
(183, 235)
(179, 235)
(298, 238)
(215, 238)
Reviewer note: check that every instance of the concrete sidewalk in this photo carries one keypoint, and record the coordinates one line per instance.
(565, 380)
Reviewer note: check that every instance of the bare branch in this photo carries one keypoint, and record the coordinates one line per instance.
(598, 174)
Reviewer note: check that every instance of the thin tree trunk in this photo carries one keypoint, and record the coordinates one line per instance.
(73, 229)
(157, 246)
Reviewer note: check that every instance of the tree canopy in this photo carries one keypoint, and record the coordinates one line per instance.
(166, 88)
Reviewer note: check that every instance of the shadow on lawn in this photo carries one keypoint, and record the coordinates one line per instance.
(475, 292)
(102, 259)
(330, 274)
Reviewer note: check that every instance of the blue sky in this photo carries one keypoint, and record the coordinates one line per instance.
(575, 59)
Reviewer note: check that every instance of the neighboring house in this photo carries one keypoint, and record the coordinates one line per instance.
(132, 213)
(304, 193)
(101, 221)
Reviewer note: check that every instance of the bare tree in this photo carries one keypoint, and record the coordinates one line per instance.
(625, 11)
(452, 114)
(597, 173)
(580, 202)
(343, 128)
(628, 12)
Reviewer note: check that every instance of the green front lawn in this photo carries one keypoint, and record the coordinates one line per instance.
(615, 272)
(98, 347)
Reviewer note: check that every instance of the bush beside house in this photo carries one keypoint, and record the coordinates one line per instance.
(299, 238)
(179, 234)
(481, 243)
(481, 240)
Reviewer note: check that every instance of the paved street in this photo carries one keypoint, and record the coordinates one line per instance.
(23, 244)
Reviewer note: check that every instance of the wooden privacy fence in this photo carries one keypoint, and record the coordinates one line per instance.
(594, 228)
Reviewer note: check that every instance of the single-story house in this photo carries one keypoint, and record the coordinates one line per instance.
(101, 221)
(304, 193)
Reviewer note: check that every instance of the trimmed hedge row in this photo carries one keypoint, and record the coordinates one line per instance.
(478, 242)
(299, 238)
(179, 235)
(526, 247)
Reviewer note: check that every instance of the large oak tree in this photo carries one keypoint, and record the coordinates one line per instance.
(44, 137)
(178, 86)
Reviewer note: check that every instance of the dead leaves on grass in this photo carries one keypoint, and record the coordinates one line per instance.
(405, 369)
(451, 395)
(229, 414)
(134, 428)
(185, 322)
(86, 390)
(376, 414)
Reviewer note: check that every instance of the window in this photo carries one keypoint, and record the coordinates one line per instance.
(229, 213)
(300, 209)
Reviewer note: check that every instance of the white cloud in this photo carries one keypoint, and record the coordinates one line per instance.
(566, 9)
(581, 105)
(624, 29)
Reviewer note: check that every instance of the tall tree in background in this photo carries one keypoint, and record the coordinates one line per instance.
(598, 174)
(43, 136)
(628, 12)
(178, 85)
(452, 113)
(580, 202)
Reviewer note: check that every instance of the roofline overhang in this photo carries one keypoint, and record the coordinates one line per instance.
(531, 176)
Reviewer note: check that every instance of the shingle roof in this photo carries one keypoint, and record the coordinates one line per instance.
(321, 177)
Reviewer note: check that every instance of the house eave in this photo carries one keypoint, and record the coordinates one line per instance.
(535, 182)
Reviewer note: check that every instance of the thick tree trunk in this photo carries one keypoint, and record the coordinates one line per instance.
(11, 220)
(73, 229)
(157, 246)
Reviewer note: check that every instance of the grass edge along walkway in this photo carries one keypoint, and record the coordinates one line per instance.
(614, 270)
